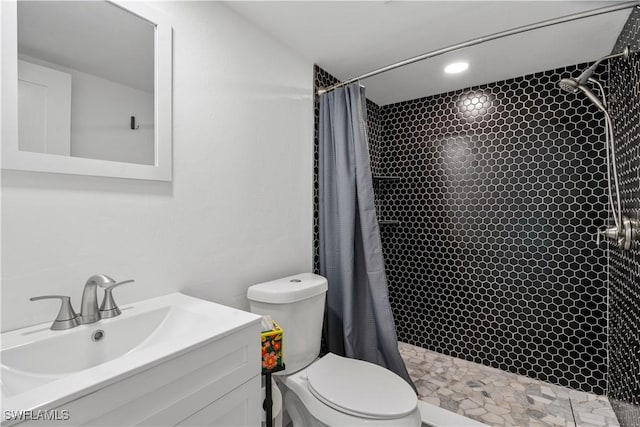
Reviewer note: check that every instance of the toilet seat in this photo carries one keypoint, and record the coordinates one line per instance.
(360, 388)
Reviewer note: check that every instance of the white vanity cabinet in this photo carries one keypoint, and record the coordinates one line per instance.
(217, 384)
(170, 360)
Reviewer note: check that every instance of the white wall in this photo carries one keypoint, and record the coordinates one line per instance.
(238, 211)
(100, 118)
(101, 111)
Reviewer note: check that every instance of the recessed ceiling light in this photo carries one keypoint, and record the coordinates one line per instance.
(456, 67)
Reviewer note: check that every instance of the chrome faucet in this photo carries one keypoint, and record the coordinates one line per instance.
(89, 312)
(67, 317)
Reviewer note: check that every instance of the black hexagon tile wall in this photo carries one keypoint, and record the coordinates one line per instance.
(493, 260)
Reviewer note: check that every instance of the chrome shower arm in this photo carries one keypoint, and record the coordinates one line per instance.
(625, 52)
(586, 74)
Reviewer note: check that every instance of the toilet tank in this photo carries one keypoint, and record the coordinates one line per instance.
(296, 303)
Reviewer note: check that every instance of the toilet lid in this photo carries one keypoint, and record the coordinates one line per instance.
(360, 388)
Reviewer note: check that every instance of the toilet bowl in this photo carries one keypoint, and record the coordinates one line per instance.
(337, 391)
(331, 390)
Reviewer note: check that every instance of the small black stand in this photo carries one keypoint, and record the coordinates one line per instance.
(267, 405)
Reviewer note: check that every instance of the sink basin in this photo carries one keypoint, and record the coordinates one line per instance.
(40, 367)
(63, 353)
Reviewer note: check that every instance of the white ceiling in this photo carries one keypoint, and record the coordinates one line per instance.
(94, 37)
(351, 38)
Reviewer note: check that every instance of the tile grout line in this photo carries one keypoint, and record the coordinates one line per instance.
(573, 413)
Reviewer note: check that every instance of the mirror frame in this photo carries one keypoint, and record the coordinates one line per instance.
(13, 158)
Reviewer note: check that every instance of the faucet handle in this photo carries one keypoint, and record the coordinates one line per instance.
(109, 308)
(599, 234)
(605, 232)
(67, 317)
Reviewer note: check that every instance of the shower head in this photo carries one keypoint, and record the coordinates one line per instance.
(573, 86)
(569, 85)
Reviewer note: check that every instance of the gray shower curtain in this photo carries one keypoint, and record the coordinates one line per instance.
(358, 322)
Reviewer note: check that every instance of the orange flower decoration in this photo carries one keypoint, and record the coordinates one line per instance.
(277, 345)
(269, 361)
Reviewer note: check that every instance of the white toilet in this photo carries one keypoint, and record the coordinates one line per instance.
(332, 390)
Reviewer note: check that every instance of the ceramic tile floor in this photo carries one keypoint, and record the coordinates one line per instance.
(500, 398)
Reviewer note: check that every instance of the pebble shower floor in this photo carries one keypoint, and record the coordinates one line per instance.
(500, 398)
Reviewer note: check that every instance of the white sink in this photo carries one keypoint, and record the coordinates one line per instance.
(45, 368)
(58, 354)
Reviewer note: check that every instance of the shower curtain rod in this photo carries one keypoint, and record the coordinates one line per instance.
(494, 36)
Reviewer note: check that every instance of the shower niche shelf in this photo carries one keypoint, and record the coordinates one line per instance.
(380, 178)
(386, 179)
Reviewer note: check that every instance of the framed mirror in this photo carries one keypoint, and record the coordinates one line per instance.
(86, 89)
